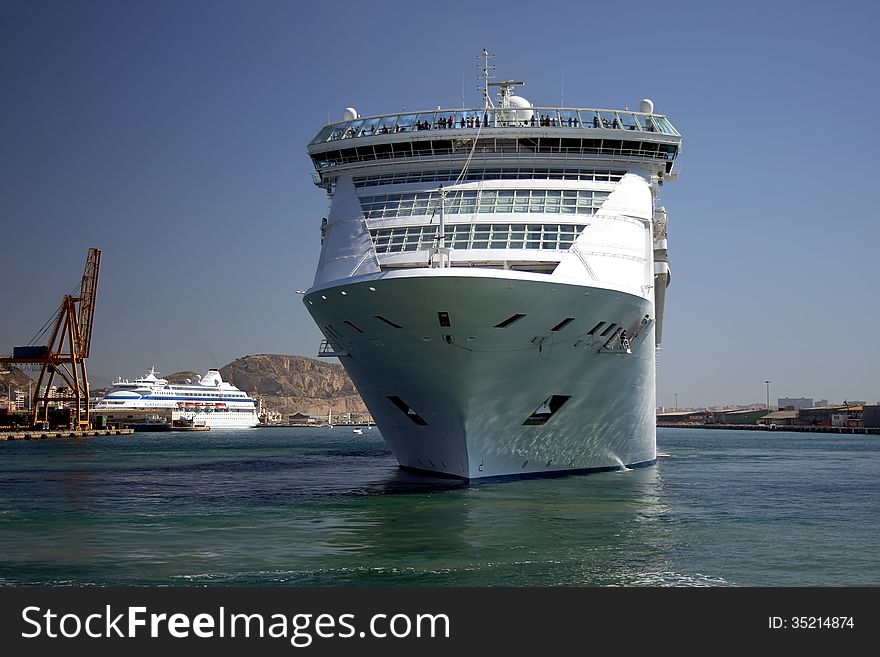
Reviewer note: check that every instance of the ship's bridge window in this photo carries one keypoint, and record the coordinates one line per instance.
(609, 120)
(406, 122)
(526, 146)
(665, 127)
(554, 237)
(484, 201)
(458, 237)
(338, 131)
(425, 119)
(474, 118)
(386, 124)
(629, 121)
(589, 119)
(445, 120)
(464, 201)
(369, 126)
(500, 236)
(324, 135)
(569, 119)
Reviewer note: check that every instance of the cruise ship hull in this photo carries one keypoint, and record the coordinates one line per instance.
(492, 373)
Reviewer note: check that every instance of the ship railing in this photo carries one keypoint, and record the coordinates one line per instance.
(612, 154)
(446, 120)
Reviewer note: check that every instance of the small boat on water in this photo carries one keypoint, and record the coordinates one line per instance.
(150, 424)
(357, 430)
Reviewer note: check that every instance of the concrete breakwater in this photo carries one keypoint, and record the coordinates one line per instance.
(45, 434)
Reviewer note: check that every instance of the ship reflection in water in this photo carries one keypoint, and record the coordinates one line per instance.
(325, 507)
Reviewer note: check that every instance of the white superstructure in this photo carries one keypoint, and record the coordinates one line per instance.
(209, 400)
(493, 279)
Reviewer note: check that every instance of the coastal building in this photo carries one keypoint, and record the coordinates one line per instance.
(780, 418)
(270, 417)
(831, 416)
(685, 417)
(849, 416)
(842, 416)
(301, 420)
(871, 416)
(741, 416)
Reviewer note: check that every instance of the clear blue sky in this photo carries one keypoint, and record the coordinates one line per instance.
(172, 135)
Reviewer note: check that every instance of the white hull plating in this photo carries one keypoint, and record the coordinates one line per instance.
(454, 399)
(493, 280)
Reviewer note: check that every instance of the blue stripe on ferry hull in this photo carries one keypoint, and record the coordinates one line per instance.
(197, 400)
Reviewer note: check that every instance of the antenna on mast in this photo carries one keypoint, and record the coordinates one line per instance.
(485, 76)
(505, 90)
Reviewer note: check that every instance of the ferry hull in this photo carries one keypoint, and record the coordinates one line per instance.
(119, 414)
(461, 399)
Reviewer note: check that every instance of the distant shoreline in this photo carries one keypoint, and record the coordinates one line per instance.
(761, 427)
(315, 426)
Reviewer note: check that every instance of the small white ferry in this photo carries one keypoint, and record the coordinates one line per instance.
(209, 401)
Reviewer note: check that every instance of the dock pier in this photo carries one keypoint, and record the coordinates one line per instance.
(779, 428)
(47, 434)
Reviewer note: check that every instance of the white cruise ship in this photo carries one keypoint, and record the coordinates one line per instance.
(209, 401)
(493, 280)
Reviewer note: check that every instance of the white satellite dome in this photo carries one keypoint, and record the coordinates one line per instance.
(646, 106)
(350, 114)
(524, 111)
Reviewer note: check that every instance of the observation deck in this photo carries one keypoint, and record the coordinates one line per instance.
(533, 132)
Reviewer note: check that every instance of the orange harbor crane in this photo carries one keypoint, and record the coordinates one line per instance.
(65, 353)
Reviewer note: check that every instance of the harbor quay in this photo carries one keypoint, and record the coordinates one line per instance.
(45, 434)
(771, 427)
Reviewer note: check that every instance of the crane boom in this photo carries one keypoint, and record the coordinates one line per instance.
(88, 292)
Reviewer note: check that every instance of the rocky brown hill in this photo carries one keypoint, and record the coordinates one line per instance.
(181, 377)
(15, 378)
(291, 384)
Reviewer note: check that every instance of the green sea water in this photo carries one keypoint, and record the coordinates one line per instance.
(327, 507)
